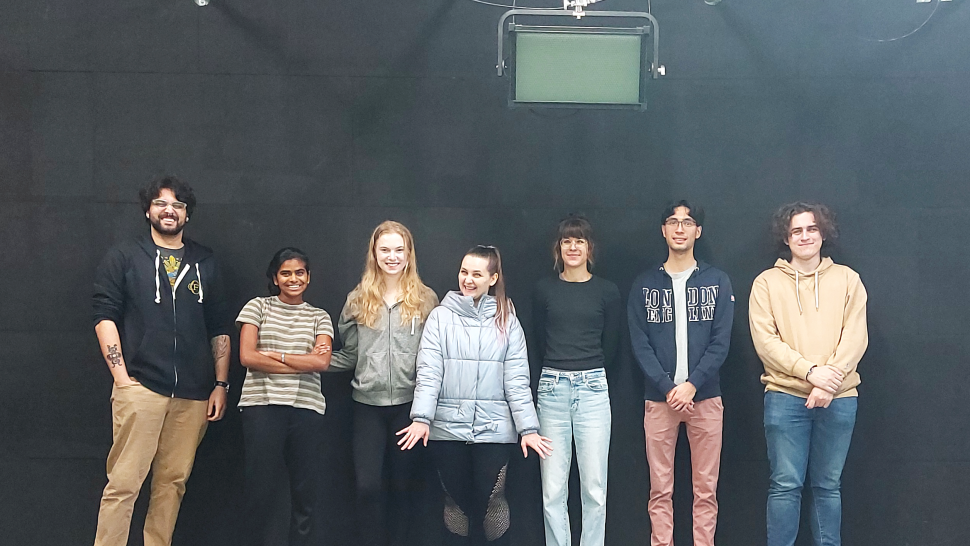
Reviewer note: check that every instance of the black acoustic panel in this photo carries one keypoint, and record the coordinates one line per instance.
(62, 135)
(729, 137)
(244, 248)
(750, 40)
(55, 239)
(66, 490)
(454, 143)
(117, 36)
(924, 501)
(246, 37)
(13, 482)
(279, 140)
(911, 143)
(165, 133)
(17, 90)
(576, 159)
(425, 142)
(70, 422)
(14, 36)
(906, 432)
(872, 39)
(451, 38)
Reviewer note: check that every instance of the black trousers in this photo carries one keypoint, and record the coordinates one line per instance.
(473, 478)
(388, 479)
(275, 435)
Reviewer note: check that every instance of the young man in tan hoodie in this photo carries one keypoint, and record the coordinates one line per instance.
(808, 324)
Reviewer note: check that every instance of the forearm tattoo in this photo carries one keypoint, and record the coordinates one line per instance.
(220, 347)
(114, 357)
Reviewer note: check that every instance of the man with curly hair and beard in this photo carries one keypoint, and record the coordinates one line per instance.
(161, 320)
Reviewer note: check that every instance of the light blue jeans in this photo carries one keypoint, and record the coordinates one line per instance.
(800, 439)
(575, 406)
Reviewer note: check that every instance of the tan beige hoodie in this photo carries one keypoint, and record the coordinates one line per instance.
(800, 320)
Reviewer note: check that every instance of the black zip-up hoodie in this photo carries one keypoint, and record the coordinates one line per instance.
(165, 337)
(710, 310)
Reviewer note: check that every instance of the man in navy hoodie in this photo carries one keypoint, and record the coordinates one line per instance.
(680, 316)
(162, 323)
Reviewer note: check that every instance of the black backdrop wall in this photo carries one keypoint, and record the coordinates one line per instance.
(307, 123)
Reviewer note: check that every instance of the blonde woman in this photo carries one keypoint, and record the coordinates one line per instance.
(381, 326)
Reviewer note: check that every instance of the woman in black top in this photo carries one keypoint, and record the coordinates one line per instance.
(577, 318)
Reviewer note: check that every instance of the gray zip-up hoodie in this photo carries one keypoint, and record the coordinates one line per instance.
(473, 381)
(382, 357)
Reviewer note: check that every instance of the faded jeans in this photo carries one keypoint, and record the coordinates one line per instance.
(574, 406)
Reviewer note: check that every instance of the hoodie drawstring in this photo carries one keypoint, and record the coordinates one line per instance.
(798, 294)
(198, 275)
(816, 289)
(413, 320)
(158, 282)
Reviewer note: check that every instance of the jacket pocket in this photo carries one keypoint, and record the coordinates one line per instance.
(454, 412)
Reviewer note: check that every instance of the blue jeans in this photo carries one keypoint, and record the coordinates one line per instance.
(800, 439)
(574, 406)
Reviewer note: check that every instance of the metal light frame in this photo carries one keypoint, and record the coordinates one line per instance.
(655, 68)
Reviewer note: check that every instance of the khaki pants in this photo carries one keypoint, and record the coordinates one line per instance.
(155, 432)
(662, 425)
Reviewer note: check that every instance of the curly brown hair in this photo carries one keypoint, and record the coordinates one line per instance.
(183, 192)
(824, 219)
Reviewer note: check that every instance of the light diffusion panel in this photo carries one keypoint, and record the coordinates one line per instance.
(578, 68)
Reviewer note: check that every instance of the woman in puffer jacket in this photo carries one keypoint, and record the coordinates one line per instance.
(472, 399)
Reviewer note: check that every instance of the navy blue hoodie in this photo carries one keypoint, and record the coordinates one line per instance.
(165, 337)
(710, 315)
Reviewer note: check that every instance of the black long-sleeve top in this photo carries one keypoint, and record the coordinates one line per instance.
(577, 324)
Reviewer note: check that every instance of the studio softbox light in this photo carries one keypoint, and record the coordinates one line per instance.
(578, 66)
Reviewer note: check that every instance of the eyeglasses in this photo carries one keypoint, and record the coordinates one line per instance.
(797, 232)
(686, 222)
(161, 203)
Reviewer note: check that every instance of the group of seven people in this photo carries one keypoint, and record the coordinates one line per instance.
(454, 376)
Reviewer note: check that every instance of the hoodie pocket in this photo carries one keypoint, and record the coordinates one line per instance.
(371, 374)
(403, 370)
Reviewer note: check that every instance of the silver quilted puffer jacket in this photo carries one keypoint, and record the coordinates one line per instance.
(472, 381)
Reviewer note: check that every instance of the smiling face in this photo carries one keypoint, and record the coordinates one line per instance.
(680, 230)
(391, 254)
(474, 278)
(804, 237)
(167, 215)
(292, 279)
(574, 252)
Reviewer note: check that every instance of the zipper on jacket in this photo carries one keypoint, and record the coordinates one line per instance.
(175, 330)
(175, 345)
(390, 386)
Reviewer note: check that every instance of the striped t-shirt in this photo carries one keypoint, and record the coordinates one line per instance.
(290, 329)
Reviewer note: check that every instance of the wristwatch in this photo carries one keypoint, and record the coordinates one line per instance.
(223, 384)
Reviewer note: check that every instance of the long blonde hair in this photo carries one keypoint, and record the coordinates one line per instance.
(366, 300)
